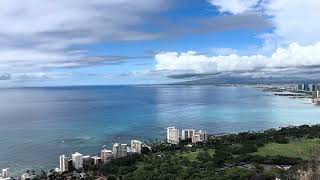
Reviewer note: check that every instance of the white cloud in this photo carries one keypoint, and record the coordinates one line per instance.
(40, 76)
(38, 34)
(84, 21)
(293, 20)
(293, 56)
(234, 6)
(293, 42)
(190, 61)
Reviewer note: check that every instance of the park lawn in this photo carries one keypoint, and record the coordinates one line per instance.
(139, 164)
(192, 156)
(299, 148)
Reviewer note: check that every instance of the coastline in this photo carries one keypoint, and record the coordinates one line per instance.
(281, 136)
(195, 107)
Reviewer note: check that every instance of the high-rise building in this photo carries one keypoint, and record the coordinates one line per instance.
(70, 165)
(106, 155)
(77, 160)
(87, 160)
(115, 150)
(312, 87)
(123, 150)
(96, 160)
(119, 150)
(200, 136)
(136, 146)
(5, 173)
(64, 165)
(305, 87)
(203, 135)
(196, 138)
(172, 135)
(187, 134)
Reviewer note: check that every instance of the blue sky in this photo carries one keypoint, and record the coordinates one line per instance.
(49, 43)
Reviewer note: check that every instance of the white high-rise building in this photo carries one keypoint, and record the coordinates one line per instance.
(172, 135)
(106, 155)
(77, 160)
(115, 150)
(136, 146)
(119, 150)
(96, 160)
(123, 150)
(196, 138)
(203, 135)
(200, 136)
(5, 173)
(187, 134)
(64, 165)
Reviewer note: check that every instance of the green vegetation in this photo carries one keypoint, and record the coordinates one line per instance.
(248, 155)
(297, 148)
(192, 155)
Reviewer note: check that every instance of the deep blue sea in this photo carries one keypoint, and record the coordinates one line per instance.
(39, 124)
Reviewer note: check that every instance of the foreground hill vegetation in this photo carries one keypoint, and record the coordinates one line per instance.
(286, 153)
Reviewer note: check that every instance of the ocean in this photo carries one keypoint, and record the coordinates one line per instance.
(39, 124)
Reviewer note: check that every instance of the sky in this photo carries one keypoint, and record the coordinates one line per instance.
(101, 42)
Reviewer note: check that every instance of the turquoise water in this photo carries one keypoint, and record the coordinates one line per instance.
(39, 124)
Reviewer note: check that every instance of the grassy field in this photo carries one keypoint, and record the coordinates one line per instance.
(302, 148)
(139, 164)
(192, 156)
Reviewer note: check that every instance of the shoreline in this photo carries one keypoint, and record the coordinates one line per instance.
(249, 129)
(211, 137)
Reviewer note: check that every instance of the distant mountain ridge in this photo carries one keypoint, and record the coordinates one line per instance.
(247, 80)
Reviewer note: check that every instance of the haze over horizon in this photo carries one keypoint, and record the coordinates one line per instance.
(98, 42)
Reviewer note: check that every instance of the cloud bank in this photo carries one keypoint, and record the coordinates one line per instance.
(37, 35)
(292, 46)
(294, 56)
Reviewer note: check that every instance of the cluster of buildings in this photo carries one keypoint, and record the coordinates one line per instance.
(174, 137)
(314, 89)
(25, 176)
(78, 161)
(308, 87)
